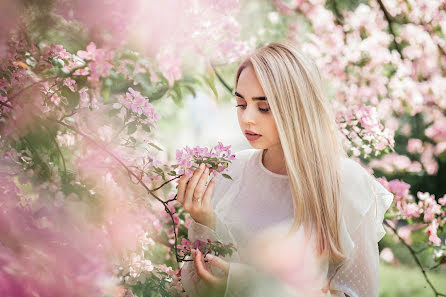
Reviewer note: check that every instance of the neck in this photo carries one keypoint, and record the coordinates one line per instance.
(274, 160)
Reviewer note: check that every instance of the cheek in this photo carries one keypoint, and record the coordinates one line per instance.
(273, 134)
(272, 128)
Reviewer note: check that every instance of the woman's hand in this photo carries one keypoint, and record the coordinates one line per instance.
(217, 283)
(195, 196)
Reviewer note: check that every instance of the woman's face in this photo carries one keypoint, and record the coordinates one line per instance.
(254, 113)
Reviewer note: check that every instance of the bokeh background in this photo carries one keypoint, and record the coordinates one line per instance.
(384, 65)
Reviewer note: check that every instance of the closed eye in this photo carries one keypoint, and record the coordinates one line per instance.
(265, 110)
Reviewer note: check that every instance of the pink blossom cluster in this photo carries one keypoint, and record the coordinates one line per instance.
(114, 19)
(394, 162)
(32, 95)
(140, 105)
(136, 267)
(185, 247)
(189, 159)
(99, 63)
(170, 66)
(137, 66)
(65, 60)
(427, 211)
(203, 26)
(363, 131)
(357, 54)
(48, 250)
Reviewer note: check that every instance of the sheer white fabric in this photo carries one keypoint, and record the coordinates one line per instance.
(257, 199)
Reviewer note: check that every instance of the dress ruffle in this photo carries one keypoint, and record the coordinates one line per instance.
(362, 195)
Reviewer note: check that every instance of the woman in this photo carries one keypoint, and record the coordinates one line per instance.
(297, 175)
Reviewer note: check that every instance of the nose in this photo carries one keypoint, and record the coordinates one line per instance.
(249, 115)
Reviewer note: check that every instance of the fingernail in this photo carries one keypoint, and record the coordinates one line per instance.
(193, 252)
(202, 165)
(210, 257)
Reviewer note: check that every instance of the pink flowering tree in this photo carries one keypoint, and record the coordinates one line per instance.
(385, 61)
(86, 191)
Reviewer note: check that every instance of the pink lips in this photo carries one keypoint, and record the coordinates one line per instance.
(251, 136)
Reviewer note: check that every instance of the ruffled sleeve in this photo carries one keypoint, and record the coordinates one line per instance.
(224, 192)
(364, 201)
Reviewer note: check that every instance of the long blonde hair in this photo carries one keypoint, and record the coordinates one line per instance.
(309, 137)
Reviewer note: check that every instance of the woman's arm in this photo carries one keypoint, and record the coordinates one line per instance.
(225, 189)
(359, 274)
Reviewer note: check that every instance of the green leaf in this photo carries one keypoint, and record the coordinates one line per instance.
(105, 93)
(131, 128)
(177, 101)
(58, 62)
(146, 128)
(113, 112)
(73, 98)
(210, 83)
(128, 114)
(157, 147)
(177, 89)
(63, 72)
(172, 173)
(227, 176)
(158, 93)
(191, 90)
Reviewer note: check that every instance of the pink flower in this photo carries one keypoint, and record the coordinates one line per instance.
(70, 83)
(411, 210)
(134, 101)
(387, 255)
(170, 67)
(432, 231)
(442, 200)
(415, 146)
(84, 97)
(98, 59)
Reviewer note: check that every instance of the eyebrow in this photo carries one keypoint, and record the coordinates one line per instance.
(253, 98)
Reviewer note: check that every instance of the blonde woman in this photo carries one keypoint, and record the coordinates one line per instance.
(296, 175)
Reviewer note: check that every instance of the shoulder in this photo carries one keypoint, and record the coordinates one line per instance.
(235, 167)
(241, 158)
(352, 170)
(358, 180)
(245, 154)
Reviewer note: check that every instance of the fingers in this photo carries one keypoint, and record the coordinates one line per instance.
(200, 188)
(182, 183)
(191, 186)
(206, 200)
(205, 274)
(218, 262)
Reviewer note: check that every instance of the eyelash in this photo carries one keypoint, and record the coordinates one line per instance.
(261, 109)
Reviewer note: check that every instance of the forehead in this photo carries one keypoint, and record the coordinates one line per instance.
(248, 84)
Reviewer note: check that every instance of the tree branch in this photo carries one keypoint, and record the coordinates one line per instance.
(130, 172)
(414, 255)
(230, 90)
(390, 22)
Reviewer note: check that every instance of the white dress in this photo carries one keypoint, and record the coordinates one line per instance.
(257, 199)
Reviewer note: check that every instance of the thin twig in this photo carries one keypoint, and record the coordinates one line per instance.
(414, 255)
(30, 86)
(390, 22)
(130, 172)
(223, 82)
(339, 17)
(53, 138)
